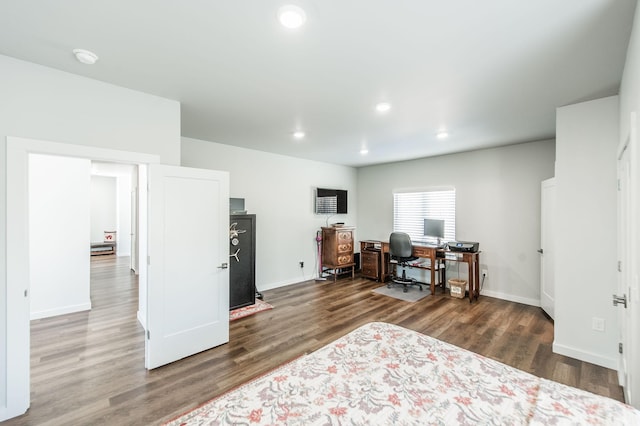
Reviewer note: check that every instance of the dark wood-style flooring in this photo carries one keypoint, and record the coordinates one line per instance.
(87, 368)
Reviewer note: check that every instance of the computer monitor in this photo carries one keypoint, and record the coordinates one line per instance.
(434, 228)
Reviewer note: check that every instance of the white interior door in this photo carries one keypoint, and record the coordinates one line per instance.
(632, 318)
(624, 264)
(547, 249)
(627, 292)
(188, 283)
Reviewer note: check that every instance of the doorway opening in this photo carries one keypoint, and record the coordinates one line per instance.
(86, 298)
(18, 307)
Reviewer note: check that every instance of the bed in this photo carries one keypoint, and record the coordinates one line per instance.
(385, 374)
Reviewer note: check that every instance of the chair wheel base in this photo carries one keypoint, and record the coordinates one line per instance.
(405, 283)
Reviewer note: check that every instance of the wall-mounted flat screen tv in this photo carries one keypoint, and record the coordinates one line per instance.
(331, 201)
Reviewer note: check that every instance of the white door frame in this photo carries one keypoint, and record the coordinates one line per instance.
(628, 251)
(633, 352)
(17, 301)
(624, 260)
(547, 246)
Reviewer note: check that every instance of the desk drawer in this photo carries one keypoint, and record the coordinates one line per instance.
(370, 264)
(345, 247)
(370, 261)
(345, 237)
(371, 272)
(424, 251)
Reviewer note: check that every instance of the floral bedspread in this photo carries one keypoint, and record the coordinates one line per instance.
(385, 374)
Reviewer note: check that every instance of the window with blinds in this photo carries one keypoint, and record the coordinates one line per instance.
(411, 208)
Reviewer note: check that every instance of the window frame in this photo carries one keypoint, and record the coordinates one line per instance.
(421, 203)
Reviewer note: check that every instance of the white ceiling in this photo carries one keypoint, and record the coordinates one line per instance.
(489, 72)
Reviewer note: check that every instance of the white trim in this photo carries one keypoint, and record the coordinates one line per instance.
(284, 283)
(17, 249)
(35, 146)
(581, 355)
(423, 189)
(61, 311)
(511, 298)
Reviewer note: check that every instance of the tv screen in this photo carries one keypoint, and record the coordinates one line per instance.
(331, 201)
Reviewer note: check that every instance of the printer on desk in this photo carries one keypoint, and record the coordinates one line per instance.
(463, 246)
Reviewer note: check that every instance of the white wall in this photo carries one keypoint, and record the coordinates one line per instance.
(43, 103)
(124, 178)
(46, 104)
(123, 195)
(630, 84)
(103, 207)
(111, 209)
(586, 247)
(58, 235)
(497, 205)
(279, 190)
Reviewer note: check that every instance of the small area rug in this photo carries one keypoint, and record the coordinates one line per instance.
(412, 295)
(249, 310)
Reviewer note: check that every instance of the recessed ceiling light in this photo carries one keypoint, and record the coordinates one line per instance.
(85, 56)
(298, 134)
(442, 134)
(364, 151)
(383, 107)
(291, 16)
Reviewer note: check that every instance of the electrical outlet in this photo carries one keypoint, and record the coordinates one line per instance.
(301, 264)
(485, 273)
(597, 324)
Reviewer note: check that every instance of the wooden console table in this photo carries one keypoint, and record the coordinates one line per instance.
(434, 254)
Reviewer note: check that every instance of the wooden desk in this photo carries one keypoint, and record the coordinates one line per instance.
(434, 254)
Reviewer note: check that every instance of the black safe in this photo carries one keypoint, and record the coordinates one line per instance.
(242, 260)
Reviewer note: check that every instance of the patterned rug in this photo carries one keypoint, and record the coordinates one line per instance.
(249, 310)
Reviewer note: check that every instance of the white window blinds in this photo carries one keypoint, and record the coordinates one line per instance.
(411, 208)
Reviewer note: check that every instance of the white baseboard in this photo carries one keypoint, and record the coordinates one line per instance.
(511, 298)
(585, 356)
(278, 284)
(61, 311)
(489, 293)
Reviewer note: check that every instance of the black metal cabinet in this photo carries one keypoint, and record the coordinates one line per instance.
(242, 260)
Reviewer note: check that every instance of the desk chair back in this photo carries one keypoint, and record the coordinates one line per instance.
(400, 247)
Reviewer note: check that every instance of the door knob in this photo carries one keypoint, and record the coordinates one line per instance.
(223, 266)
(620, 300)
(540, 251)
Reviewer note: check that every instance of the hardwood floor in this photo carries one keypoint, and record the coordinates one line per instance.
(88, 368)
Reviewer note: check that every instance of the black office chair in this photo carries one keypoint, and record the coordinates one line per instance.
(400, 251)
